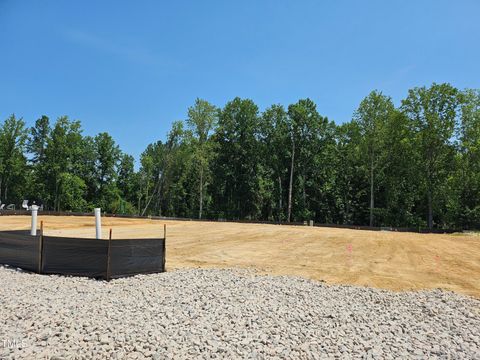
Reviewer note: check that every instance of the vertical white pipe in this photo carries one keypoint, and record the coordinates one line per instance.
(98, 222)
(33, 230)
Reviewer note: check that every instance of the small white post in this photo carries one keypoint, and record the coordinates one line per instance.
(33, 230)
(98, 222)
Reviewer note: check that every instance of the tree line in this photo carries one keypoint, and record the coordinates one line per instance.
(416, 165)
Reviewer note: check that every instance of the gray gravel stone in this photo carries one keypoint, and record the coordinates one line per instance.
(227, 314)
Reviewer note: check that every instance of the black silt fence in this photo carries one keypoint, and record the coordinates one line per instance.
(78, 257)
(130, 257)
(20, 249)
(101, 259)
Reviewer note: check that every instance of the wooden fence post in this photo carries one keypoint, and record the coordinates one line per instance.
(164, 244)
(108, 254)
(40, 249)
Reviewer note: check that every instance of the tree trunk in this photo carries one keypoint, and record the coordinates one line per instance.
(347, 211)
(430, 209)
(55, 199)
(371, 195)
(4, 180)
(304, 194)
(159, 202)
(280, 195)
(146, 200)
(201, 195)
(290, 186)
(160, 196)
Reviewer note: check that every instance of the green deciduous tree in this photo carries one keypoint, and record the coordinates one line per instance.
(463, 203)
(107, 155)
(71, 193)
(433, 112)
(349, 182)
(13, 136)
(237, 168)
(307, 128)
(127, 181)
(275, 157)
(202, 120)
(38, 138)
(371, 117)
(62, 155)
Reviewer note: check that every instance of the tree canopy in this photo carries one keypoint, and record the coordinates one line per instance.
(415, 165)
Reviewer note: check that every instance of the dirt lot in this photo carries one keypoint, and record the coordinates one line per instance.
(396, 261)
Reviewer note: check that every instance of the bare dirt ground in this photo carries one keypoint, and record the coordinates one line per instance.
(389, 260)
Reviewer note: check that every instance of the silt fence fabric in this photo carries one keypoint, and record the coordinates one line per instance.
(94, 258)
(19, 249)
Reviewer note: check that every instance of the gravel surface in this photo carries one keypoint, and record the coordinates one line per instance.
(227, 314)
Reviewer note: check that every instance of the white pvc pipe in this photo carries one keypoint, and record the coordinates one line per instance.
(33, 230)
(98, 222)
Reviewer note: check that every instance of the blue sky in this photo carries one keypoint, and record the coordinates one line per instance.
(133, 67)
